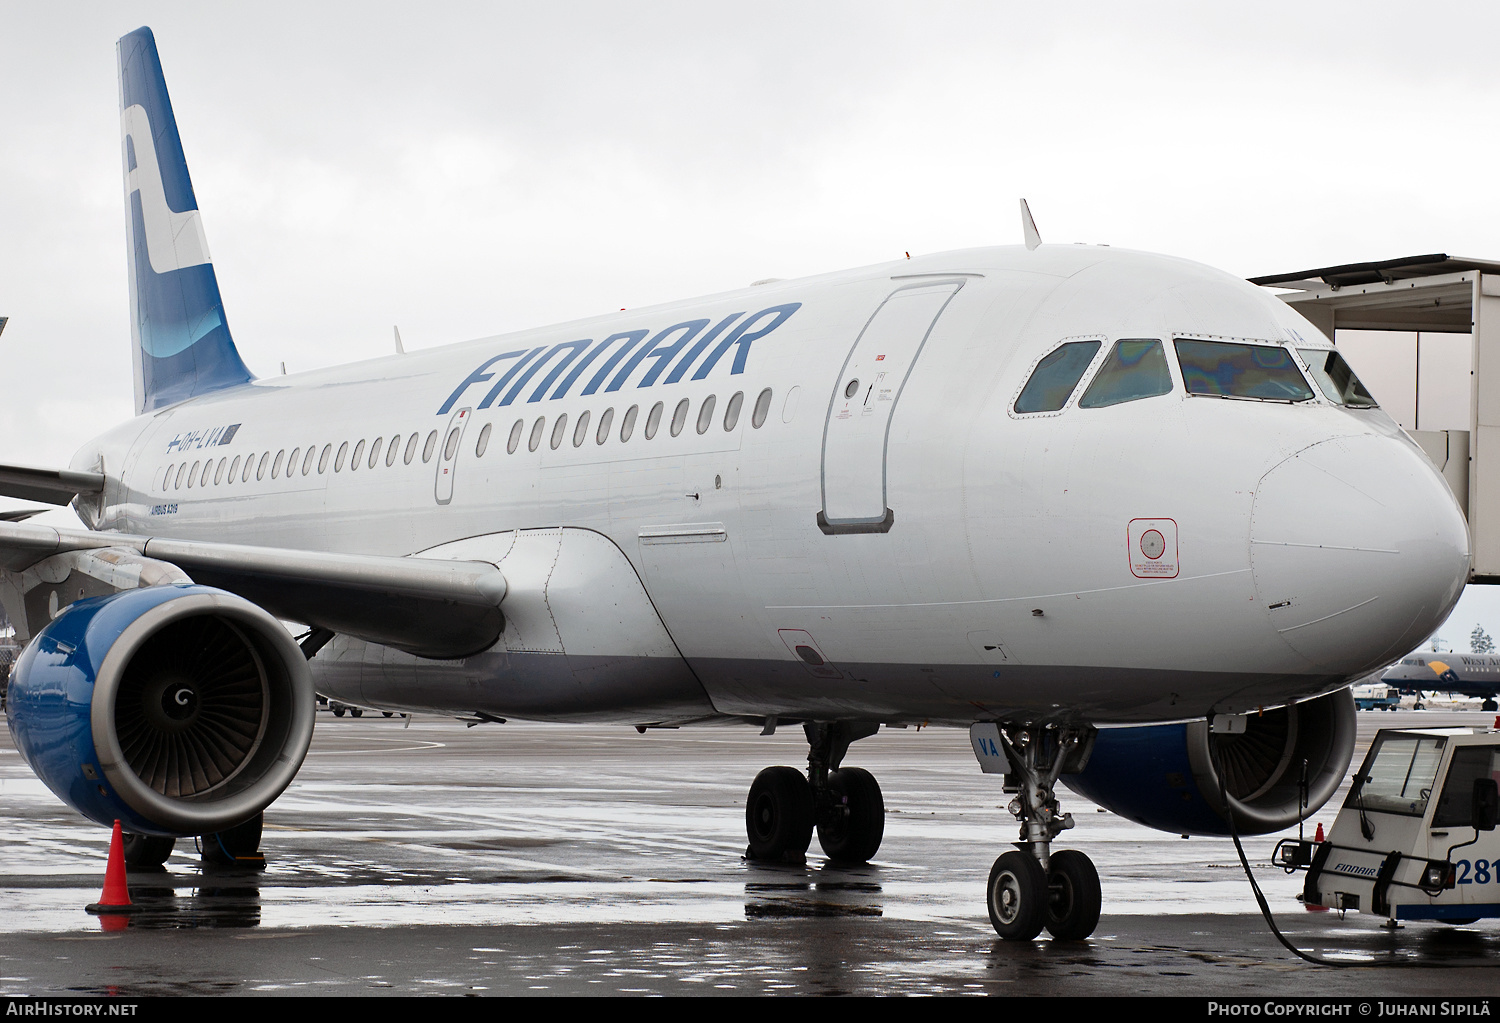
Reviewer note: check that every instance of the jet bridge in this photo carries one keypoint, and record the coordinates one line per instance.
(1414, 301)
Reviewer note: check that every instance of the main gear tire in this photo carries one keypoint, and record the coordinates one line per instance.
(852, 823)
(779, 815)
(146, 852)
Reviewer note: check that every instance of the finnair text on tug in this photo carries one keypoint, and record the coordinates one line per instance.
(1097, 506)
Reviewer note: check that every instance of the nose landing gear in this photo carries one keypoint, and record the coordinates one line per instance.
(1031, 887)
(844, 804)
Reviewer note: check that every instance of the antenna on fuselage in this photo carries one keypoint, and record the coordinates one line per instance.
(400, 348)
(1028, 227)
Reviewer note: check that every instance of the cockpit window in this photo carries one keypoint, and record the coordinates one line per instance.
(1135, 368)
(1336, 380)
(1054, 378)
(1225, 370)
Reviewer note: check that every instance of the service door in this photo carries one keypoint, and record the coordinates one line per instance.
(863, 402)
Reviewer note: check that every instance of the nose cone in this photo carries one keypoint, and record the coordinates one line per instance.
(1358, 549)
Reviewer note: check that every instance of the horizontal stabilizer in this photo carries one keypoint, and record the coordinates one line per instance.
(49, 486)
(425, 606)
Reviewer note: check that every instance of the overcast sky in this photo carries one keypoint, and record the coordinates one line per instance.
(467, 169)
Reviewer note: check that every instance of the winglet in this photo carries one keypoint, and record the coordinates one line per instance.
(1028, 227)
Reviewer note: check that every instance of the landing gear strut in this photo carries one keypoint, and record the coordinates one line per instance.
(1031, 887)
(843, 803)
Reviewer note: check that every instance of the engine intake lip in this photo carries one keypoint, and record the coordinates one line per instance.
(1322, 730)
(282, 735)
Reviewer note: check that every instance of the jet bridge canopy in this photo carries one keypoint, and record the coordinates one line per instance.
(1427, 294)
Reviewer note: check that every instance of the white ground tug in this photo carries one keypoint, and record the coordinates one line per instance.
(1416, 837)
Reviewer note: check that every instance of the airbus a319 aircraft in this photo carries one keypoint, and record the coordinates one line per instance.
(1130, 520)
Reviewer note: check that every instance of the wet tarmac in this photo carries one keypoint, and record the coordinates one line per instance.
(529, 859)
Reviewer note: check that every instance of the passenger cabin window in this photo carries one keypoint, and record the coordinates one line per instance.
(1221, 369)
(515, 436)
(1134, 368)
(762, 408)
(1335, 379)
(1055, 377)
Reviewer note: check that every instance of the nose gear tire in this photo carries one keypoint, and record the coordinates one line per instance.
(1073, 896)
(1017, 896)
(853, 823)
(779, 815)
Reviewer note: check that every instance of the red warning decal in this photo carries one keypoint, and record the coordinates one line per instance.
(1152, 545)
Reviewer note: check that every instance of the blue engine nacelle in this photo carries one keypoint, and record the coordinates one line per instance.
(1163, 776)
(178, 710)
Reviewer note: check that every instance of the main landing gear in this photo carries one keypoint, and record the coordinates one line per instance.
(236, 846)
(1032, 887)
(843, 803)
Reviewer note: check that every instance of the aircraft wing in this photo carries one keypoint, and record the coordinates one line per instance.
(426, 606)
(49, 486)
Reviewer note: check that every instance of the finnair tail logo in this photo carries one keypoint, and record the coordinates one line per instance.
(173, 240)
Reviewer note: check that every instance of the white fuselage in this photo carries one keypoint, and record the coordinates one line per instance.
(1306, 543)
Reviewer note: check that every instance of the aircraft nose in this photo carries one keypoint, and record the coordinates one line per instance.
(1358, 550)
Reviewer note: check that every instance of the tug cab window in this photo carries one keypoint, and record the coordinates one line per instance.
(1456, 805)
(1335, 379)
(1223, 369)
(1399, 775)
(1135, 368)
(1053, 380)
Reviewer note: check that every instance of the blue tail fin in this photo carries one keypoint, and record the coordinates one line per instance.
(182, 342)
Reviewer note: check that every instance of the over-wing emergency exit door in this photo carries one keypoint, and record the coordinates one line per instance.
(864, 399)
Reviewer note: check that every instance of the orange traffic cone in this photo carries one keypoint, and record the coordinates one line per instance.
(116, 895)
(1319, 836)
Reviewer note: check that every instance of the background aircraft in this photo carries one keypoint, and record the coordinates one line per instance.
(1466, 674)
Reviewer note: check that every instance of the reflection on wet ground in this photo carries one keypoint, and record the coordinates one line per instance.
(542, 858)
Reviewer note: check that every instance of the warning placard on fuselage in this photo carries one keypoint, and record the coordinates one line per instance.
(1152, 544)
